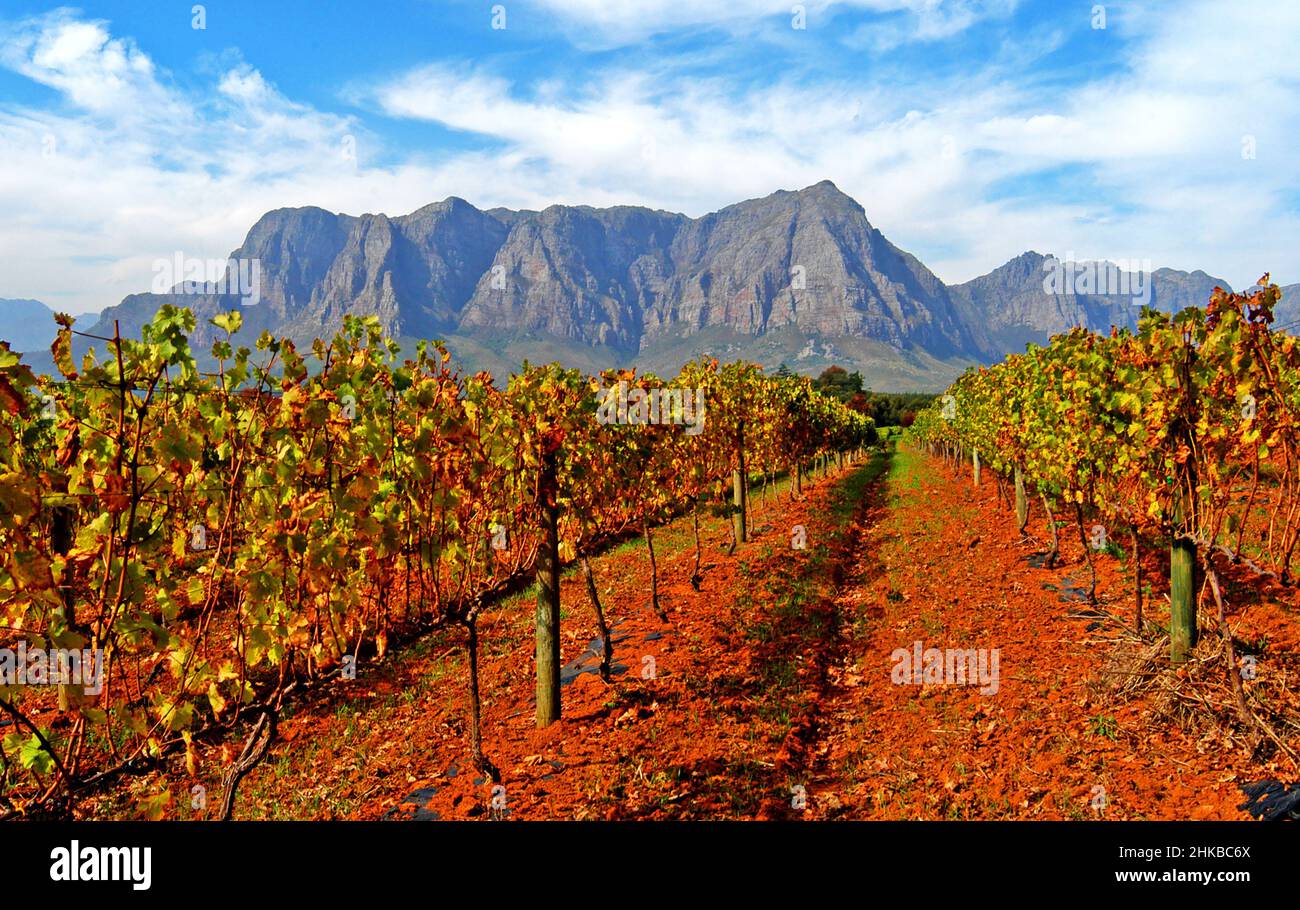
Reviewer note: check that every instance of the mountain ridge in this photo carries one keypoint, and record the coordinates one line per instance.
(801, 276)
(28, 325)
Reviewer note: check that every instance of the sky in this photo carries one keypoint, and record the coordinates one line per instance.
(970, 131)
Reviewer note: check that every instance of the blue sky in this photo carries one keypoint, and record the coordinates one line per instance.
(970, 131)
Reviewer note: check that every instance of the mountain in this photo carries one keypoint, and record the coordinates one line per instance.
(800, 277)
(1033, 297)
(796, 276)
(28, 325)
(1287, 313)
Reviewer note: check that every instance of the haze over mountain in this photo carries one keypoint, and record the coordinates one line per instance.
(796, 277)
(1288, 309)
(28, 325)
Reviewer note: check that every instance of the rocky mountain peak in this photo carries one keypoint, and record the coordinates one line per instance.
(771, 278)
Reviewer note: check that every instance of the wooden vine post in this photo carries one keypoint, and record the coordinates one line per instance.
(548, 593)
(1022, 502)
(1182, 591)
(738, 489)
(1182, 549)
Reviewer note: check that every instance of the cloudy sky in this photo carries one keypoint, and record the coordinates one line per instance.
(970, 131)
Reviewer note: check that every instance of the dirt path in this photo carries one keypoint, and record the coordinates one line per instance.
(943, 566)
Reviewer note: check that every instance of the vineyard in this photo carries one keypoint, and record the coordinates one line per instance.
(338, 577)
(217, 542)
(798, 430)
(1184, 434)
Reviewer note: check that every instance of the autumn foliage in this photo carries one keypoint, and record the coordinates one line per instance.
(225, 537)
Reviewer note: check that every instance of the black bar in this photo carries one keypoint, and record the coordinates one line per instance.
(438, 861)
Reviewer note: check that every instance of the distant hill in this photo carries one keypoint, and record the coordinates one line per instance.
(1010, 307)
(1288, 309)
(28, 325)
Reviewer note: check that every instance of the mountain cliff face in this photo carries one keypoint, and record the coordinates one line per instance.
(1033, 297)
(624, 281)
(582, 274)
(313, 267)
(631, 278)
(808, 260)
(801, 277)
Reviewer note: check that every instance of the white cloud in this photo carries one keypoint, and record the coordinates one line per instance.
(132, 168)
(601, 22)
(96, 72)
(1151, 155)
(925, 22)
